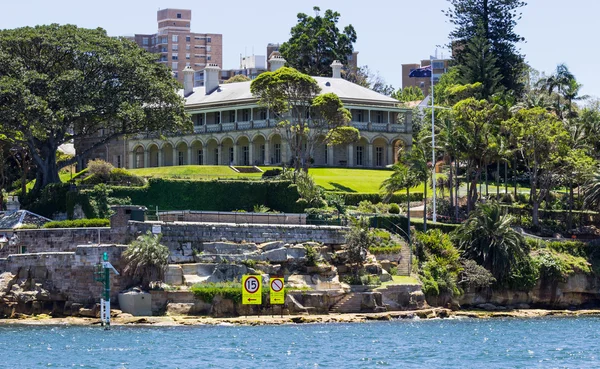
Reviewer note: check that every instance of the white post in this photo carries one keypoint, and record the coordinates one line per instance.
(433, 141)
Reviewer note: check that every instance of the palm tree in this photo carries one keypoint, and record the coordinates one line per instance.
(487, 238)
(146, 259)
(402, 178)
(559, 81)
(416, 161)
(592, 191)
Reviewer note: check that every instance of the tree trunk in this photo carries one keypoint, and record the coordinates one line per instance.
(498, 180)
(408, 214)
(450, 177)
(47, 172)
(535, 213)
(456, 190)
(570, 223)
(505, 177)
(425, 207)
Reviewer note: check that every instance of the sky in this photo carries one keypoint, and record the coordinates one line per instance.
(390, 32)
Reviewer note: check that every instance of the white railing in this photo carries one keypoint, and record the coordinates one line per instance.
(244, 125)
(379, 127)
(363, 126)
(213, 127)
(228, 126)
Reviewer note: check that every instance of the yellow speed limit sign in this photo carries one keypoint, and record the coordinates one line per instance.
(251, 291)
(277, 292)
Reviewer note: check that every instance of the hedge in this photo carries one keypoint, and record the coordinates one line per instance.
(78, 223)
(391, 222)
(354, 198)
(213, 195)
(57, 197)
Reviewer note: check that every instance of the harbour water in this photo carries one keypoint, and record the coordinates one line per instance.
(549, 342)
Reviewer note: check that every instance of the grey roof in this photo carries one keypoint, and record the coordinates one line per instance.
(14, 219)
(232, 93)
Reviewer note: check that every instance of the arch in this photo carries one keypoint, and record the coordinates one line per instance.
(399, 147)
(244, 151)
(198, 154)
(258, 144)
(212, 151)
(197, 141)
(274, 135)
(153, 153)
(182, 153)
(227, 151)
(258, 136)
(379, 137)
(379, 154)
(167, 154)
(361, 155)
(242, 138)
(138, 156)
(276, 149)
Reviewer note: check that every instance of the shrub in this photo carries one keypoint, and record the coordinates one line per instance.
(475, 276)
(228, 290)
(270, 173)
(28, 226)
(146, 259)
(78, 223)
(312, 256)
(378, 250)
(394, 208)
(100, 168)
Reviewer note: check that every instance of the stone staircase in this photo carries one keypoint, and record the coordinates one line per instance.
(404, 262)
(350, 303)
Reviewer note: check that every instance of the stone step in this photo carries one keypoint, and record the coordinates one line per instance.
(335, 308)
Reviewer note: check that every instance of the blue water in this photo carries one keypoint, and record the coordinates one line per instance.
(494, 343)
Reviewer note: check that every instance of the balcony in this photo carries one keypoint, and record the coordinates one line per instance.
(361, 126)
(211, 128)
(244, 125)
(379, 127)
(228, 126)
(261, 124)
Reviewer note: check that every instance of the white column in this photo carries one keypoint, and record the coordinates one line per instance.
(390, 154)
(131, 164)
(330, 160)
(252, 114)
(175, 157)
(267, 152)
(160, 157)
(235, 151)
(370, 162)
(350, 155)
(204, 156)
(189, 155)
(251, 152)
(220, 154)
(146, 159)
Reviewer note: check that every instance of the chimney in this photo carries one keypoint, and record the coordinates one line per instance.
(277, 61)
(336, 68)
(12, 203)
(188, 81)
(211, 78)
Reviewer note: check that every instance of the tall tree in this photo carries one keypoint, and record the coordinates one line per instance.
(306, 117)
(498, 19)
(316, 42)
(480, 65)
(410, 93)
(59, 83)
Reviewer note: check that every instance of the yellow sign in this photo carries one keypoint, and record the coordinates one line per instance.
(277, 293)
(251, 291)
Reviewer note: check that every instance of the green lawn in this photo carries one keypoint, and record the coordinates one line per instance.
(193, 172)
(401, 279)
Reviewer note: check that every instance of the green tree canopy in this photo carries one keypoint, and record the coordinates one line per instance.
(305, 116)
(410, 93)
(238, 78)
(316, 42)
(498, 19)
(59, 83)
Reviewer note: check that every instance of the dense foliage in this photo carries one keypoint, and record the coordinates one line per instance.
(78, 223)
(146, 260)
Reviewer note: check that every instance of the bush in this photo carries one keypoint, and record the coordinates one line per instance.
(228, 290)
(270, 173)
(312, 256)
(354, 198)
(146, 259)
(394, 208)
(100, 168)
(475, 276)
(214, 195)
(390, 222)
(78, 223)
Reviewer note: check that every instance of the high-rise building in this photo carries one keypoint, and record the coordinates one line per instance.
(440, 66)
(178, 46)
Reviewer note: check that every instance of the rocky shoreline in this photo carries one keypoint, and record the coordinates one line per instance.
(122, 319)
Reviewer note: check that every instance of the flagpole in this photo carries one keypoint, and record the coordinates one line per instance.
(433, 140)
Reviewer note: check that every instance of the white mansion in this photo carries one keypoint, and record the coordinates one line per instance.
(230, 128)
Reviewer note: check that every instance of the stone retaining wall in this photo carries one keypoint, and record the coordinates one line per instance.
(60, 239)
(181, 235)
(62, 276)
(231, 217)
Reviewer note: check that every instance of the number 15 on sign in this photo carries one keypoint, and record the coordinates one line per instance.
(251, 291)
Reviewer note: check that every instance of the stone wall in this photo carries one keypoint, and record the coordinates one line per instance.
(60, 276)
(61, 239)
(182, 235)
(232, 217)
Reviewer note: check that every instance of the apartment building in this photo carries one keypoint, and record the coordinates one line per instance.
(178, 46)
(440, 66)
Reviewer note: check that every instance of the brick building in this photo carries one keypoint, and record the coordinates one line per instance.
(440, 66)
(178, 46)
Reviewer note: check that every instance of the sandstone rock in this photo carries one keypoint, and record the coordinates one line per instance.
(279, 255)
(7, 279)
(90, 313)
(174, 275)
(174, 308)
(373, 268)
(487, 307)
(385, 265)
(267, 246)
(385, 276)
(296, 252)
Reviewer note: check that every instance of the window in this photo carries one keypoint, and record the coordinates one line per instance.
(187, 47)
(208, 57)
(175, 74)
(245, 155)
(208, 48)
(422, 84)
(145, 41)
(175, 38)
(174, 47)
(163, 40)
(180, 159)
(231, 155)
(178, 15)
(262, 154)
(187, 56)
(326, 153)
(199, 119)
(379, 117)
(174, 65)
(208, 39)
(119, 164)
(359, 116)
(232, 116)
(245, 115)
(277, 153)
(359, 155)
(438, 65)
(263, 114)
(22, 249)
(379, 156)
(218, 117)
(187, 64)
(174, 56)
(188, 38)
(200, 157)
